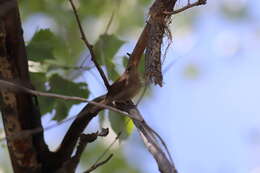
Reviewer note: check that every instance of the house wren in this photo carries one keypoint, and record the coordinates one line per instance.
(126, 86)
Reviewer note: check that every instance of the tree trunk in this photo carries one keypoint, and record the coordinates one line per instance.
(19, 110)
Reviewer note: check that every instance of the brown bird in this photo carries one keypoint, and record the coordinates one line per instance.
(126, 86)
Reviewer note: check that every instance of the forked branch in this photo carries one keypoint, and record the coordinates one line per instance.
(189, 5)
(89, 46)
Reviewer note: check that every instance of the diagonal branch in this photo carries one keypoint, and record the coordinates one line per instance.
(92, 168)
(17, 88)
(198, 3)
(70, 165)
(149, 137)
(89, 46)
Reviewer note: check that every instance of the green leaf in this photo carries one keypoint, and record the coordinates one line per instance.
(46, 104)
(129, 126)
(60, 85)
(106, 48)
(111, 70)
(125, 61)
(121, 123)
(39, 80)
(42, 45)
(62, 110)
(63, 86)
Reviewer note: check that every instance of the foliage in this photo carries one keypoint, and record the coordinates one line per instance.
(121, 123)
(105, 48)
(59, 85)
(41, 46)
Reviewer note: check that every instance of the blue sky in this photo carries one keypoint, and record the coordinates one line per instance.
(211, 119)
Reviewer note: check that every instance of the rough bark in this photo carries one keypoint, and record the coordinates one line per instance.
(19, 111)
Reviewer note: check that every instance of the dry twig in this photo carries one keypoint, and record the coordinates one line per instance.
(89, 46)
(16, 87)
(190, 5)
(95, 166)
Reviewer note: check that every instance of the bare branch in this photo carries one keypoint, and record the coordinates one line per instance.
(89, 46)
(110, 22)
(95, 166)
(190, 5)
(15, 87)
(149, 135)
(64, 67)
(108, 148)
(71, 164)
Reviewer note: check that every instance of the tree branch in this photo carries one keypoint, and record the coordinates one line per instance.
(148, 135)
(198, 3)
(95, 166)
(89, 46)
(71, 164)
(17, 88)
(19, 111)
(78, 125)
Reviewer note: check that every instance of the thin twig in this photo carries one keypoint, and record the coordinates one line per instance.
(111, 145)
(108, 148)
(109, 22)
(10, 85)
(71, 164)
(95, 166)
(117, 7)
(190, 5)
(89, 46)
(67, 67)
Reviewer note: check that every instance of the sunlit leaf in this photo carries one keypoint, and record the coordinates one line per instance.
(121, 123)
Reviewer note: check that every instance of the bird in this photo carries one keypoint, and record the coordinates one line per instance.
(126, 86)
